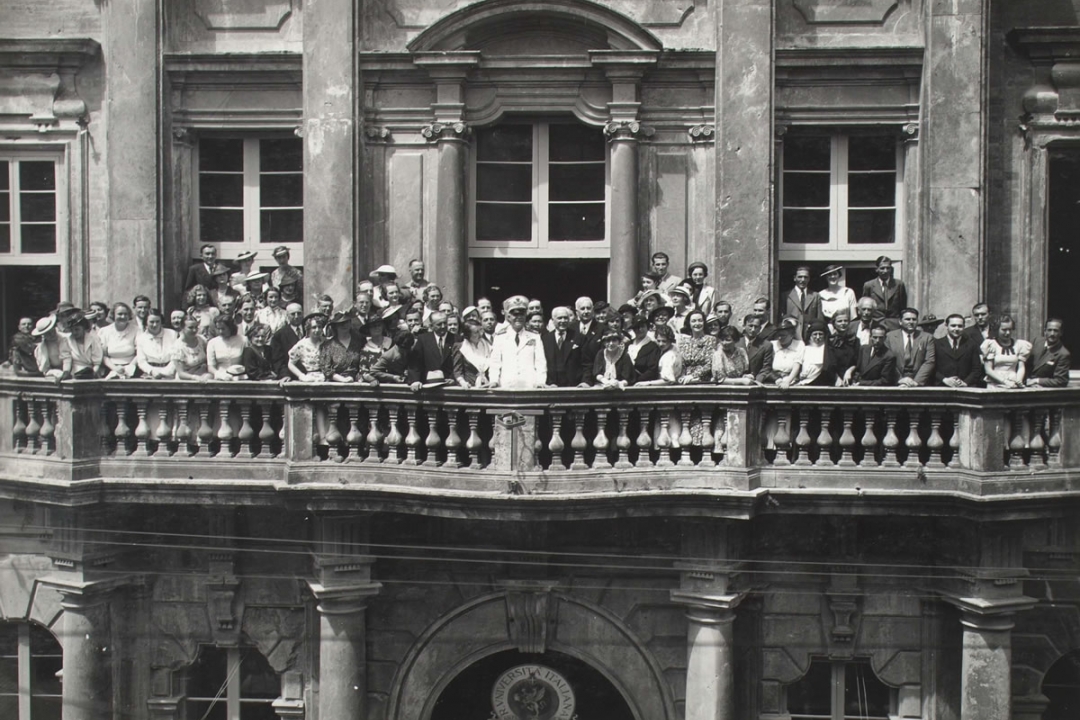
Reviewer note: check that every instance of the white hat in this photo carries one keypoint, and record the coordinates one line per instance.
(44, 325)
(383, 270)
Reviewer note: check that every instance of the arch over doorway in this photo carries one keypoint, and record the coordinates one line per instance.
(578, 629)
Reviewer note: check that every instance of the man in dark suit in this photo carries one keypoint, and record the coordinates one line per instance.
(759, 349)
(802, 303)
(432, 357)
(981, 330)
(202, 273)
(876, 365)
(957, 362)
(562, 351)
(282, 341)
(888, 293)
(1049, 362)
(588, 329)
(914, 350)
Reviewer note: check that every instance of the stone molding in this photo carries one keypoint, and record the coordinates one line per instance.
(531, 615)
(39, 79)
(842, 12)
(259, 15)
(627, 130)
(702, 133)
(438, 131)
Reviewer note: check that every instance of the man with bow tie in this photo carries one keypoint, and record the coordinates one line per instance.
(1049, 362)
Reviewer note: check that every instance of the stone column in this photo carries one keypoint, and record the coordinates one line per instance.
(986, 691)
(330, 157)
(449, 266)
(744, 182)
(132, 259)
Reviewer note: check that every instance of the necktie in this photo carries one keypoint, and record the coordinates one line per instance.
(517, 339)
(907, 346)
(802, 299)
(559, 337)
(439, 341)
(955, 344)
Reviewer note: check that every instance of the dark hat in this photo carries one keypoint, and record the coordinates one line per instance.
(816, 326)
(340, 317)
(703, 266)
(627, 308)
(611, 334)
(280, 250)
(788, 324)
(831, 269)
(288, 279)
(220, 269)
(930, 321)
(314, 315)
(663, 309)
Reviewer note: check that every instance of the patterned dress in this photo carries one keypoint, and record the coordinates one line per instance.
(336, 358)
(697, 356)
(730, 366)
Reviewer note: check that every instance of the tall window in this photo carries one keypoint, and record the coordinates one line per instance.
(32, 236)
(30, 658)
(839, 690)
(251, 195)
(540, 190)
(234, 683)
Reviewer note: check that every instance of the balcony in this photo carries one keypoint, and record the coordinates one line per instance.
(154, 441)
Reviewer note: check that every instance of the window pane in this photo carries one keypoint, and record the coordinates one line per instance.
(9, 674)
(46, 708)
(871, 189)
(257, 711)
(576, 182)
(221, 225)
(5, 237)
(220, 155)
(42, 642)
(221, 190)
(505, 142)
(576, 222)
(812, 694)
(282, 154)
(871, 152)
(278, 226)
(806, 226)
(37, 175)
(37, 207)
(281, 190)
(9, 706)
(257, 678)
(5, 169)
(43, 675)
(201, 710)
(9, 638)
(509, 183)
(806, 189)
(864, 695)
(807, 153)
(5, 206)
(504, 222)
(38, 238)
(871, 226)
(575, 142)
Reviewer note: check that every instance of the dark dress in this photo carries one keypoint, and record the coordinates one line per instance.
(624, 369)
(338, 359)
(841, 353)
(257, 363)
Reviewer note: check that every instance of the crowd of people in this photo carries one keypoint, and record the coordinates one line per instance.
(237, 323)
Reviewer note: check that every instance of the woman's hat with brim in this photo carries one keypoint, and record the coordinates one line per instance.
(236, 370)
(930, 321)
(681, 290)
(612, 334)
(662, 310)
(340, 318)
(220, 270)
(711, 318)
(245, 256)
(816, 326)
(650, 294)
(383, 270)
(833, 269)
(788, 325)
(255, 276)
(280, 250)
(309, 316)
(44, 325)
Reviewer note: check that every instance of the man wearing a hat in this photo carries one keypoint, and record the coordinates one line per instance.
(888, 293)
(914, 351)
(285, 270)
(517, 355)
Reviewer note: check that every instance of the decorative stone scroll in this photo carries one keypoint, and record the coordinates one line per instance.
(701, 133)
(446, 131)
(627, 130)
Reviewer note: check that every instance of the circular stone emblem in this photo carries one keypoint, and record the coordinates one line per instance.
(532, 692)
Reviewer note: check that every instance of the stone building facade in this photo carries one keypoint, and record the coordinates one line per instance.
(258, 552)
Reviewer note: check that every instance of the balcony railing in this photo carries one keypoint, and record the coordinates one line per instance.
(541, 442)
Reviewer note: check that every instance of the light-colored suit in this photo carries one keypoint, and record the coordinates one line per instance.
(919, 363)
(518, 365)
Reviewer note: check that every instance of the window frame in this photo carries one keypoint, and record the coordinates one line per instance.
(252, 154)
(25, 687)
(58, 258)
(232, 682)
(838, 248)
(540, 247)
(838, 681)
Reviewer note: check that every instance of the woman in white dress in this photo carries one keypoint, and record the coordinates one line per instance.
(836, 295)
(1005, 357)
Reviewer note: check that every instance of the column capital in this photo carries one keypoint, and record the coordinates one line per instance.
(627, 130)
(446, 131)
(992, 614)
(343, 599)
(78, 593)
(707, 608)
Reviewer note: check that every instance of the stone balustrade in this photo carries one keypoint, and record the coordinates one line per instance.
(687, 438)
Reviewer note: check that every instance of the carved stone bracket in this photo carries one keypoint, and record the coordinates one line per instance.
(437, 131)
(376, 133)
(701, 133)
(911, 132)
(183, 136)
(843, 597)
(226, 608)
(627, 130)
(531, 616)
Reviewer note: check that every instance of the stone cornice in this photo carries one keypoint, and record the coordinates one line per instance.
(235, 68)
(47, 54)
(1048, 45)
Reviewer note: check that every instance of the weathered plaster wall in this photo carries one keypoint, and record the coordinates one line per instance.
(837, 23)
(224, 26)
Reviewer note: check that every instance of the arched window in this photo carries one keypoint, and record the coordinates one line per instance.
(30, 663)
(840, 690)
(1061, 686)
(234, 683)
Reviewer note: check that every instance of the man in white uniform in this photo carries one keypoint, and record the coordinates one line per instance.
(517, 354)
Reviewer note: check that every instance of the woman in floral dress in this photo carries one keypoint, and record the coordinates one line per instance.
(696, 350)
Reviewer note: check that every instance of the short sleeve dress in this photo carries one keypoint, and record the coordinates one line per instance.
(1007, 359)
(697, 356)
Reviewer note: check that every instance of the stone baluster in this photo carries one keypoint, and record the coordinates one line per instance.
(225, 432)
(935, 442)
(374, 436)
(123, 430)
(869, 440)
(600, 442)
(281, 434)
(18, 430)
(432, 442)
(354, 438)
(644, 439)
(1037, 444)
(1016, 442)
(954, 441)
(578, 443)
(393, 436)
(622, 442)
(1053, 443)
(913, 443)
(720, 435)
(104, 430)
(782, 437)
(663, 441)
(556, 444)
(802, 436)
(847, 440)
(474, 444)
(686, 439)
(48, 427)
(33, 427)
(183, 430)
(892, 440)
(332, 436)
(708, 441)
(246, 433)
(163, 432)
(142, 429)
(266, 431)
(453, 439)
(412, 437)
(825, 440)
